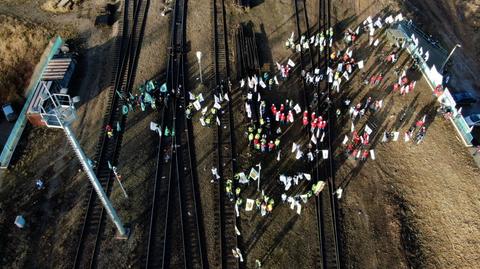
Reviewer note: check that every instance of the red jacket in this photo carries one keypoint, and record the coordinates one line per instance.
(305, 121)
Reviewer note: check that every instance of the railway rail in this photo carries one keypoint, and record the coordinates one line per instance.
(174, 238)
(326, 203)
(127, 48)
(225, 219)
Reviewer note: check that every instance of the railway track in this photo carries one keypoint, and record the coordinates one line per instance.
(175, 235)
(329, 254)
(127, 49)
(223, 157)
(325, 203)
(302, 56)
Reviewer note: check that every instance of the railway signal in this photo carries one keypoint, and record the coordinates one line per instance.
(118, 177)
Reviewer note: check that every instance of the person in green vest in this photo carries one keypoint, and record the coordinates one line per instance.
(237, 191)
(262, 121)
(228, 189)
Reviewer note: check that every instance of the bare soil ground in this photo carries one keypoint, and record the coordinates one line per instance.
(414, 206)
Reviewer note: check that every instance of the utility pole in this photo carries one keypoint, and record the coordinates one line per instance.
(199, 59)
(450, 55)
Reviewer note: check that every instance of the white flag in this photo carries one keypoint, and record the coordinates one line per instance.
(325, 154)
(153, 126)
(367, 129)
(294, 147)
(297, 108)
(242, 83)
(360, 65)
(352, 128)
(323, 136)
(217, 105)
(376, 42)
(313, 139)
(218, 121)
(396, 135)
(389, 19)
(399, 17)
(262, 84)
(384, 138)
(197, 105)
(191, 96)
(253, 174)
(249, 204)
(427, 55)
(307, 176)
(345, 140)
(299, 208)
(368, 20)
(200, 98)
(226, 97)
(372, 154)
(340, 67)
(291, 63)
(299, 154)
(279, 67)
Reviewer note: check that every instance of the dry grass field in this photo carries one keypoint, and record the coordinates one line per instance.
(21, 45)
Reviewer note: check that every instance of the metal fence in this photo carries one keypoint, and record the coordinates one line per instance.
(432, 75)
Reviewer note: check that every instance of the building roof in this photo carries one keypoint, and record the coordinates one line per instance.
(56, 69)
